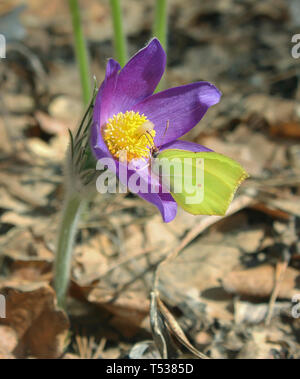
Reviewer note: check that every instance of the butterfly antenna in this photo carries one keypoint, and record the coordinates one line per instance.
(165, 132)
(147, 134)
(150, 135)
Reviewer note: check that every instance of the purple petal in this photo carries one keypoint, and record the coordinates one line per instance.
(139, 77)
(106, 92)
(185, 145)
(183, 107)
(102, 108)
(163, 201)
(165, 204)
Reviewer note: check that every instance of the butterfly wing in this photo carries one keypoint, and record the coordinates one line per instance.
(201, 183)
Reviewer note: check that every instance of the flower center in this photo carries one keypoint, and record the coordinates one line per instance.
(129, 132)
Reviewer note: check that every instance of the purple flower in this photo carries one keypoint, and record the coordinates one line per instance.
(126, 108)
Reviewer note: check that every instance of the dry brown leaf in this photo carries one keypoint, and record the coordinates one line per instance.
(129, 308)
(32, 314)
(8, 341)
(52, 125)
(176, 330)
(160, 332)
(287, 129)
(277, 111)
(259, 282)
(17, 190)
(259, 346)
(28, 256)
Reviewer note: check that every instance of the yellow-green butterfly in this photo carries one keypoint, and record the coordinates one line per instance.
(200, 182)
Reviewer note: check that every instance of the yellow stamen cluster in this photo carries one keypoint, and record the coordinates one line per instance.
(129, 132)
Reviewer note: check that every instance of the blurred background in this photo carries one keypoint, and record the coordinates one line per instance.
(232, 286)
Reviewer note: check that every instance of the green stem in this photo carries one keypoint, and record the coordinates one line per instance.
(81, 51)
(119, 36)
(161, 22)
(74, 204)
(160, 29)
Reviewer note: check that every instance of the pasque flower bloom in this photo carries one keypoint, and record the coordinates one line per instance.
(126, 107)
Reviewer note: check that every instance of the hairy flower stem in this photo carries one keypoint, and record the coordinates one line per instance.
(82, 55)
(74, 204)
(80, 176)
(119, 35)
